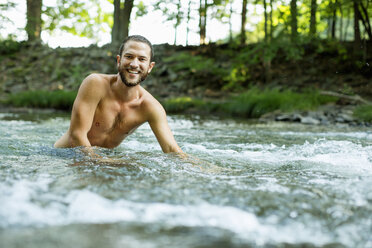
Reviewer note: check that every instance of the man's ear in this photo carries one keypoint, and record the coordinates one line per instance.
(152, 64)
(118, 60)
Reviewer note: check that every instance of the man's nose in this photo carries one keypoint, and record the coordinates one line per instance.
(134, 63)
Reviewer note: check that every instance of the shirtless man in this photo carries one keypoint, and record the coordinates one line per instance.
(110, 107)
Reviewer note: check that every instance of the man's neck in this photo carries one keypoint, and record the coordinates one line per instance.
(125, 93)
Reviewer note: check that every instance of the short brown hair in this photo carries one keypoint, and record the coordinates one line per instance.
(138, 38)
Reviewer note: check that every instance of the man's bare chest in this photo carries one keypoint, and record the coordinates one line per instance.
(116, 119)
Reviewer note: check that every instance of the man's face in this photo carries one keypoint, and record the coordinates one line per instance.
(134, 64)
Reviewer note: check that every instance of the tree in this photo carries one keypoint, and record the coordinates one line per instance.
(120, 29)
(178, 20)
(363, 14)
(265, 21)
(230, 22)
(294, 20)
(33, 25)
(333, 8)
(271, 19)
(313, 10)
(188, 21)
(357, 40)
(243, 36)
(203, 21)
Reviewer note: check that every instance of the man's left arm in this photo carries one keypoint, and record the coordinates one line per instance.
(157, 119)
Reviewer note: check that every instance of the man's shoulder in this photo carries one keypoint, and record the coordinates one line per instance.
(150, 103)
(98, 78)
(96, 81)
(148, 99)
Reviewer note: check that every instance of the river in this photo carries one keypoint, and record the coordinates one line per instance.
(249, 185)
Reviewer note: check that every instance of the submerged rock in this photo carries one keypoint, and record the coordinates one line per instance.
(310, 120)
(326, 115)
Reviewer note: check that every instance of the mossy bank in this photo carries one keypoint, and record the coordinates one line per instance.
(208, 79)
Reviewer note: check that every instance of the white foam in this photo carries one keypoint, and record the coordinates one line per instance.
(88, 207)
(17, 206)
(358, 135)
(339, 154)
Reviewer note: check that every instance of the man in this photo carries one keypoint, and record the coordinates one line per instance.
(110, 107)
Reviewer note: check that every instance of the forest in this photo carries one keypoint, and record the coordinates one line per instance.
(288, 55)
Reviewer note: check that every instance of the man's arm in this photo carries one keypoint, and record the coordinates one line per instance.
(157, 119)
(89, 95)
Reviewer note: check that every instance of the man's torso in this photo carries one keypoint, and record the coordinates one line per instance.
(113, 119)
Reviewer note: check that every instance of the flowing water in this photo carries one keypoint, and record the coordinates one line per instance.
(248, 185)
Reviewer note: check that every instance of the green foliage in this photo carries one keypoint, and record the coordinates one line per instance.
(254, 102)
(195, 65)
(80, 22)
(9, 46)
(43, 99)
(250, 56)
(181, 104)
(185, 61)
(364, 113)
(142, 9)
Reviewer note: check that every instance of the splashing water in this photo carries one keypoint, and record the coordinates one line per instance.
(255, 185)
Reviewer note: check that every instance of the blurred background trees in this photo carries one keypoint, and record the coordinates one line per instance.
(342, 20)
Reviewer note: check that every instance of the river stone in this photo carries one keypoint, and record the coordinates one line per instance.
(345, 117)
(309, 120)
(285, 117)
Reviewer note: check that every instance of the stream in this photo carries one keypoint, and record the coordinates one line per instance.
(248, 184)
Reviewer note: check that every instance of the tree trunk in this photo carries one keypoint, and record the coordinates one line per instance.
(341, 20)
(271, 20)
(115, 32)
(203, 21)
(314, 7)
(188, 21)
(230, 23)
(243, 37)
(265, 20)
(365, 20)
(347, 23)
(357, 40)
(266, 61)
(33, 26)
(294, 20)
(120, 28)
(334, 19)
(127, 10)
(178, 21)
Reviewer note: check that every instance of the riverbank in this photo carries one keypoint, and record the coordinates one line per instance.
(215, 79)
(325, 112)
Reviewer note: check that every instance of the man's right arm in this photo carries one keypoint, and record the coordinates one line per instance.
(86, 102)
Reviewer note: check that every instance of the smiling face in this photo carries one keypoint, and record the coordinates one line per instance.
(134, 64)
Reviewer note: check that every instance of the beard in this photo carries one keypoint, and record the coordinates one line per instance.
(142, 77)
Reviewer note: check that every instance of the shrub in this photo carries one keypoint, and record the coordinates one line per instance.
(254, 102)
(364, 113)
(9, 46)
(43, 99)
(180, 104)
